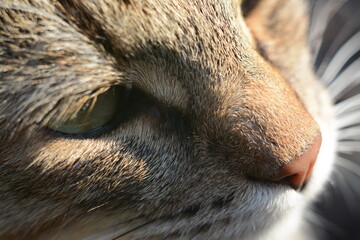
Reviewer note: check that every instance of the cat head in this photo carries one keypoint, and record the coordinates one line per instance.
(175, 115)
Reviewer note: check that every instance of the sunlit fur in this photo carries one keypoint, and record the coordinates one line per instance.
(231, 101)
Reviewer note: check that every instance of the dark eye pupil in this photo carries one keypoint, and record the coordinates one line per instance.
(248, 5)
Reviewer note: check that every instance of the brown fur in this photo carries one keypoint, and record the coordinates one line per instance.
(228, 105)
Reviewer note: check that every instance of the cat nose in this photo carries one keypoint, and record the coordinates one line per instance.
(298, 171)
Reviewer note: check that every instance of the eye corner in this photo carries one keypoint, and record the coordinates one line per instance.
(247, 6)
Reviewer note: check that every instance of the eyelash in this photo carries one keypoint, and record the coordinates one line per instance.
(122, 99)
(132, 101)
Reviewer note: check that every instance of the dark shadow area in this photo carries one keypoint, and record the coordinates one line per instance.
(338, 208)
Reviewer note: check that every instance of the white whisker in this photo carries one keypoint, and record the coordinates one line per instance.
(325, 223)
(349, 133)
(348, 165)
(321, 15)
(348, 105)
(349, 78)
(349, 146)
(341, 57)
(347, 189)
(348, 120)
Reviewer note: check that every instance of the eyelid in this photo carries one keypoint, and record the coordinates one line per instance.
(94, 114)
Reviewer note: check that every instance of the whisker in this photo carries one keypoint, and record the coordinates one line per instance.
(348, 120)
(71, 221)
(346, 51)
(97, 207)
(347, 189)
(166, 237)
(325, 223)
(349, 146)
(348, 165)
(120, 233)
(347, 79)
(98, 234)
(348, 105)
(133, 229)
(333, 47)
(351, 133)
(68, 221)
(321, 15)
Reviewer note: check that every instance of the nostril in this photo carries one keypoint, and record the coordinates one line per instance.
(296, 181)
(299, 170)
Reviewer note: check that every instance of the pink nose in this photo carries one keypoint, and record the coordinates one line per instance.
(299, 170)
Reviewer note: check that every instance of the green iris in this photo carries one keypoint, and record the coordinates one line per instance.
(95, 113)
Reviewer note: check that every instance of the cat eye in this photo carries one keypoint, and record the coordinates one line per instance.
(95, 113)
(247, 6)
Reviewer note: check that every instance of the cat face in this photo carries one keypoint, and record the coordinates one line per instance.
(161, 118)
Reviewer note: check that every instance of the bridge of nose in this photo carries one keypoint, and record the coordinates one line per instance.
(259, 122)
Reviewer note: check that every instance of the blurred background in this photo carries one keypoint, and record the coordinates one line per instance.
(335, 43)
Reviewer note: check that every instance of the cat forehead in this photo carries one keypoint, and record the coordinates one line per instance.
(169, 46)
(173, 50)
(194, 29)
(163, 47)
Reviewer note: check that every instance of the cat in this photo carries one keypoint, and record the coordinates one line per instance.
(155, 119)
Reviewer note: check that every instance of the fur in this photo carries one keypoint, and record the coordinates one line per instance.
(219, 103)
